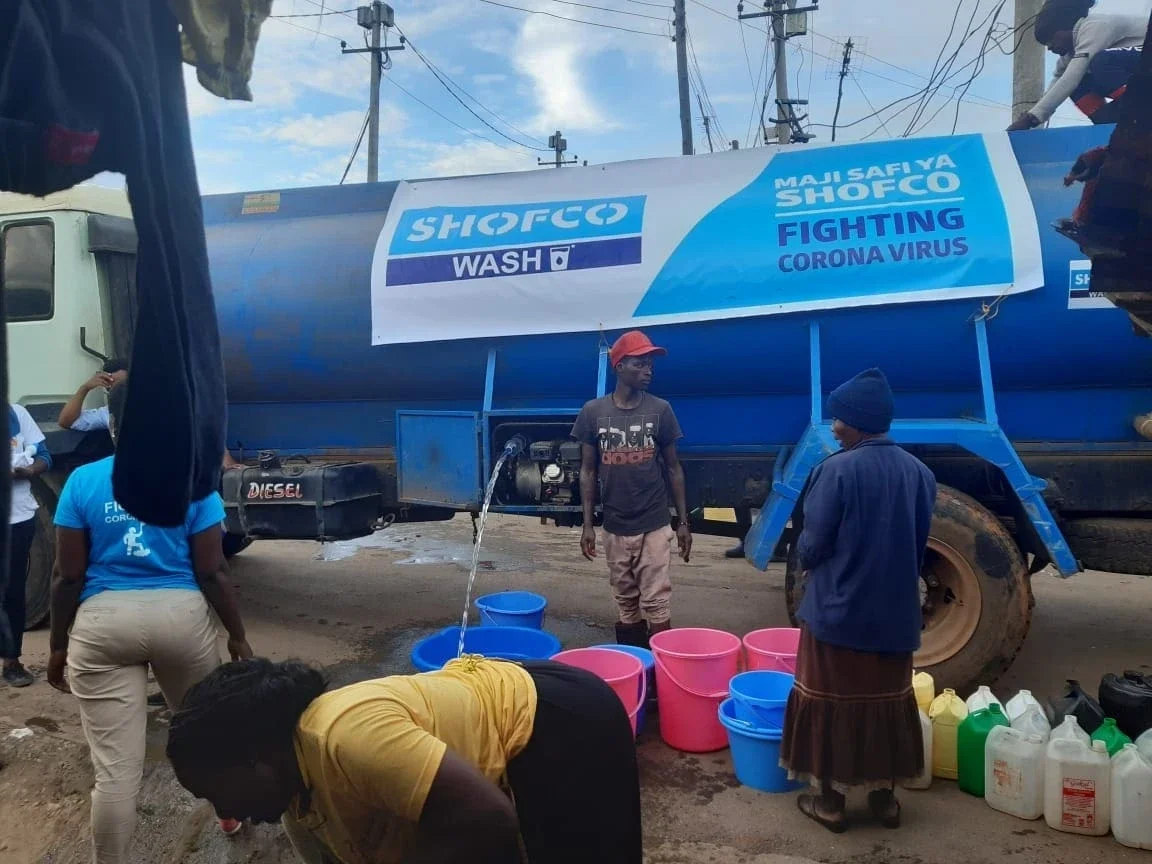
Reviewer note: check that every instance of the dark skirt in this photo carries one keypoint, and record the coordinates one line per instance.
(576, 785)
(852, 719)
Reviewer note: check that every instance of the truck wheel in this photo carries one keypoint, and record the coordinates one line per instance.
(1115, 545)
(38, 592)
(976, 594)
(234, 544)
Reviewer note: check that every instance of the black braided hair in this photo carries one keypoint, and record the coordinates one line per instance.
(243, 712)
(1057, 15)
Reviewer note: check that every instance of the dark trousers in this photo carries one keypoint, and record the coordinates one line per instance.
(12, 604)
(1108, 74)
(576, 784)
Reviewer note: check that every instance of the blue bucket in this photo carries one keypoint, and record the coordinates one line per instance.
(504, 643)
(512, 609)
(760, 698)
(755, 753)
(644, 656)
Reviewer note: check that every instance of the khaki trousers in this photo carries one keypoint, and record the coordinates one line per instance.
(638, 569)
(116, 636)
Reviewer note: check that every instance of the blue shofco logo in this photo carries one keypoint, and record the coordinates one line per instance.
(442, 244)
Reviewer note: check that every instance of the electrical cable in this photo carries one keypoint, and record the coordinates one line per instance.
(573, 20)
(308, 30)
(444, 80)
(445, 118)
(313, 14)
(610, 9)
(867, 101)
(931, 92)
(707, 98)
(356, 149)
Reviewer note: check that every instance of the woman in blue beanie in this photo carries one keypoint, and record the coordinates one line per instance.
(852, 720)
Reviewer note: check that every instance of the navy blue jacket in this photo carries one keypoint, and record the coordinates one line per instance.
(866, 520)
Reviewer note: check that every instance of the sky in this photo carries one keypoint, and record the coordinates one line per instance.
(613, 92)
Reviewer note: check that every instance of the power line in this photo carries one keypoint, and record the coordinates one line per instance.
(867, 101)
(654, 5)
(445, 118)
(308, 30)
(573, 20)
(443, 79)
(610, 9)
(313, 14)
(356, 149)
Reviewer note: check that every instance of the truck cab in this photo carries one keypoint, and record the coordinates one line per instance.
(68, 270)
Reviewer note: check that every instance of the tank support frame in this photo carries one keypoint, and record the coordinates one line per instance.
(983, 438)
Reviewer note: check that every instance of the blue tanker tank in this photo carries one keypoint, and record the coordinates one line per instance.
(1021, 404)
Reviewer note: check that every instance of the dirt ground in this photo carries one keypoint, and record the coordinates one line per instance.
(357, 608)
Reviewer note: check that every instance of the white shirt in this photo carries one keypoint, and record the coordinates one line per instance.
(91, 419)
(1091, 35)
(23, 501)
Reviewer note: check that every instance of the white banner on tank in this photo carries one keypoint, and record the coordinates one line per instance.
(748, 232)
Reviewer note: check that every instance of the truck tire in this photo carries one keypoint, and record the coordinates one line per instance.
(1115, 545)
(976, 590)
(234, 544)
(42, 561)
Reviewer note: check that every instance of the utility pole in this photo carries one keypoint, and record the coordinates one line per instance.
(559, 144)
(840, 88)
(679, 15)
(1027, 59)
(375, 18)
(788, 127)
(707, 123)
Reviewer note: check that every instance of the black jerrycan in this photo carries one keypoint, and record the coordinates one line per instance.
(1128, 699)
(1079, 704)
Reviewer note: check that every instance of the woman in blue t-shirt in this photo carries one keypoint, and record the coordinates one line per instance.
(128, 596)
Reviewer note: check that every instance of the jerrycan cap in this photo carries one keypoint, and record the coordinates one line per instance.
(1098, 747)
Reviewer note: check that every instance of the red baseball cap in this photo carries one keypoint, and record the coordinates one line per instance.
(633, 344)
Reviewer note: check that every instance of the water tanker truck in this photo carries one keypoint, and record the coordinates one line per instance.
(384, 342)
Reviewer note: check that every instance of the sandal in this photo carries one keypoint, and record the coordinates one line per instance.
(880, 803)
(808, 805)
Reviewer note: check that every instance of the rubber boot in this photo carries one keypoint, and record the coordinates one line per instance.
(635, 635)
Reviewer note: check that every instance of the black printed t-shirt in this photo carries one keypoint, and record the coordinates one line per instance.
(633, 484)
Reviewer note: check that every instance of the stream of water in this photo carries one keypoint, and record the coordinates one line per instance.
(476, 547)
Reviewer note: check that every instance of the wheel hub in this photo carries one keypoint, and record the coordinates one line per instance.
(950, 602)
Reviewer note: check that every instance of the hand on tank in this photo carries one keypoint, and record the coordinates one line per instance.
(588, 542)
(1023, 122)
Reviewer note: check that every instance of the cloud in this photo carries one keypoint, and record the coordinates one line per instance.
(486, 78)
(471, 157)
(554, 55)
(338, 130)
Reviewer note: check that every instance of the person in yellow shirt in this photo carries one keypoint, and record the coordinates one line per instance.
(484, 762)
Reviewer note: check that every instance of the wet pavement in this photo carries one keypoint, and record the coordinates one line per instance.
(358, 608)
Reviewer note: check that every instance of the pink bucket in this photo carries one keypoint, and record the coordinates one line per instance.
(693, 668)
(623, 672)
(773, 650)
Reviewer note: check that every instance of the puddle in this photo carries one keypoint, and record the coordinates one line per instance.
(426, 544)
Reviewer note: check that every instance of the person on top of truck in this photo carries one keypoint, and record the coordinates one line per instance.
(1098, 54)
(628, 441)
(851, 721)
(75, 416)
(30, 458)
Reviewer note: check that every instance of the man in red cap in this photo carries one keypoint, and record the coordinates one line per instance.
(629, 445)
